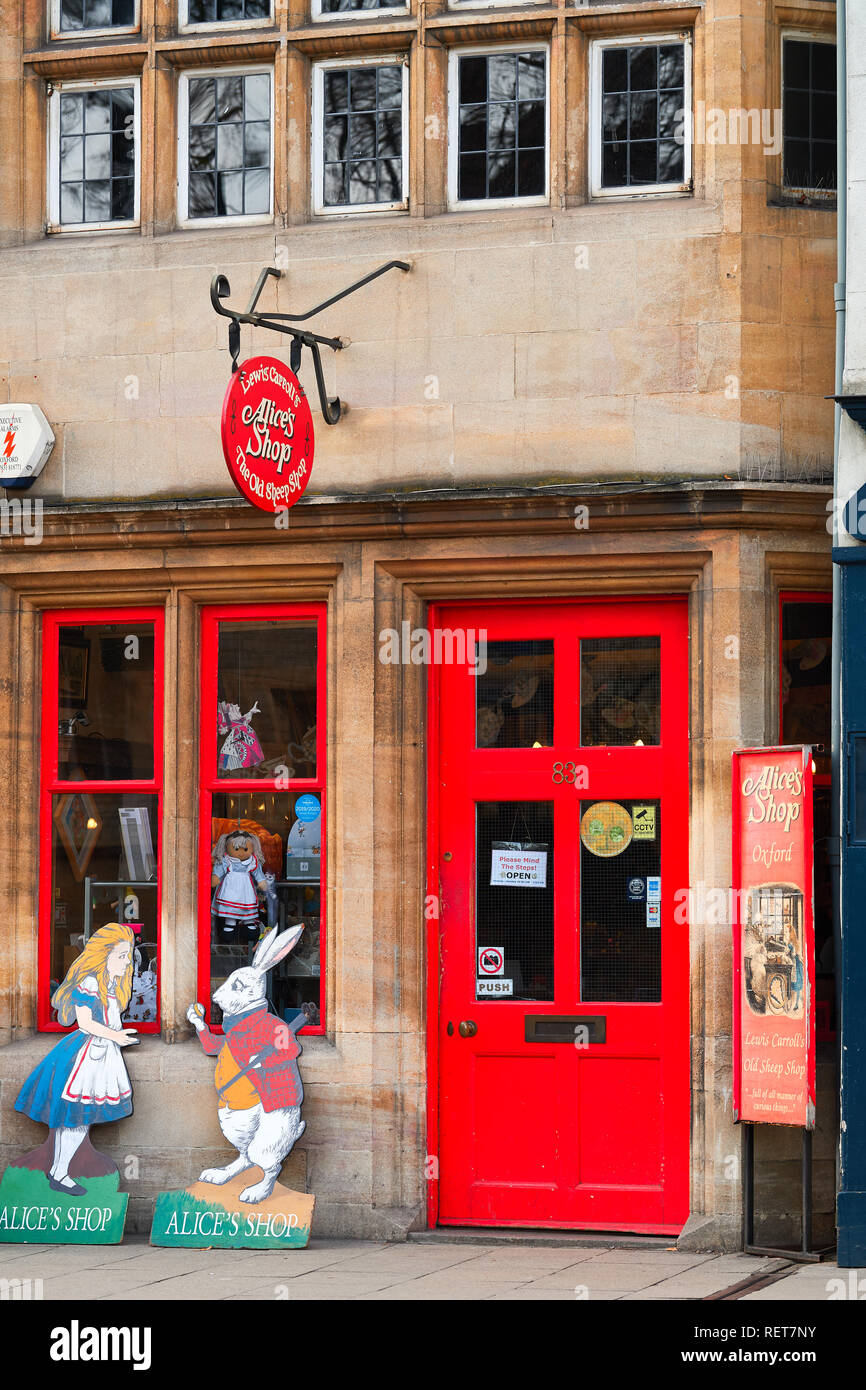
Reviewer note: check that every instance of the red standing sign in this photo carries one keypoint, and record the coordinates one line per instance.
(774, 937)
(267, 434)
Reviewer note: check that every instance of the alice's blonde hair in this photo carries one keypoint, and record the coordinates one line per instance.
(94, 961)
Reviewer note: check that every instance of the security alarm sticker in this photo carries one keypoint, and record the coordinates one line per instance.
(515, 864)
(493, 988)
(636, 890)
(491, 960)
(644, 822)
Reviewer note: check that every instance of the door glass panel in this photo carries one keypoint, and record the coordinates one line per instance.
(620, 691)
(105, 702)
(266, 699)
(266, 859)
(514, 695)
(620, 901)
(514, 900)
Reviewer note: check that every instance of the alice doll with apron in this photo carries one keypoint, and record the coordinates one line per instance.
(83, 1080)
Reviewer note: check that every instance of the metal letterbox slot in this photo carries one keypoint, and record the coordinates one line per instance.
(545, 1028)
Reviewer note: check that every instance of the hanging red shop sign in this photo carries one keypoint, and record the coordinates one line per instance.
(267, 434)
(774, 937)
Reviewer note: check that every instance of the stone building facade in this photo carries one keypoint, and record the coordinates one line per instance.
(583, 394)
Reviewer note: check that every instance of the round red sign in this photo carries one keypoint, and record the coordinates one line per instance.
(267, 434)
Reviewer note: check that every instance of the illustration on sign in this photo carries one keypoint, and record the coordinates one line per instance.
(491, 960)
(644, 822)
(267, 434)
(259, 1099)
(66, 1191)
(515, 864)
(774, 1027)
(606, 829)
(636, 890)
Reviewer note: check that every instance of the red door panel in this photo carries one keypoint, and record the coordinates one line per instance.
(567, 1102)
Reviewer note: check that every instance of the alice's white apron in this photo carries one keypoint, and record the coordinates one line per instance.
(99, 1076)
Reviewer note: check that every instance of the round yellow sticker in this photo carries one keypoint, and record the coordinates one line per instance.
(606, 829)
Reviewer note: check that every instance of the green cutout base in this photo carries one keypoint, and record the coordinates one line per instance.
(207, 1216)
(32, 1213)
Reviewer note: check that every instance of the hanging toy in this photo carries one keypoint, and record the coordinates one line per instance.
(241, 747)
(238, 878)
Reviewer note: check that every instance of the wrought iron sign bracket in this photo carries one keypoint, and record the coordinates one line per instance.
(220, 290)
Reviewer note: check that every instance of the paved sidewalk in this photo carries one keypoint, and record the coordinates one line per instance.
(366, 1270)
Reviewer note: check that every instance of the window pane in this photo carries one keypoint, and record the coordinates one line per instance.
(96, 14)
(266, 713)
(71, 203)
(227, 11)
(342, 6)
(101, 161)
(202, 100)
(643, 100)
(620, 917)
(266, 850)
(362, 182)
(473, 79)
(514, 893)
(809, 114)
(230, 131)
(104, 869)
(71, 114)
(620, 691)
(502, 108)
(369, 136)
(97, 112)
(806, 670)
(105, 698)
(530, 173)
(514, 695)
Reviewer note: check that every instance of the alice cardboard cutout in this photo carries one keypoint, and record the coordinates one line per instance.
(259, 1096)
(66, 1191)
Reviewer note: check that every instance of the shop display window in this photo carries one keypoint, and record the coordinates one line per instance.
(262, 800)
(101, 794)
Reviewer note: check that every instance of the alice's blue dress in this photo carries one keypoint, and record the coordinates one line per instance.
(83, 1080)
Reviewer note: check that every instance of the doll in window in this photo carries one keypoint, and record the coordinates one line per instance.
(238, 880)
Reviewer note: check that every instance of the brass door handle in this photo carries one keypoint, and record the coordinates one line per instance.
(467, 1029)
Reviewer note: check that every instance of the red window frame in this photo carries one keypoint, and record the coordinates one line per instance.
(53, 785)
(797, 596)
(210, 783)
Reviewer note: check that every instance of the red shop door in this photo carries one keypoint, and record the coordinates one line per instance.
(560, 841)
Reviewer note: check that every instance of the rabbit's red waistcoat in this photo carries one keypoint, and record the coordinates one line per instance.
(275, 1074)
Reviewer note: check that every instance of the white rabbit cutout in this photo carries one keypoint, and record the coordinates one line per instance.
(263, 1135)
